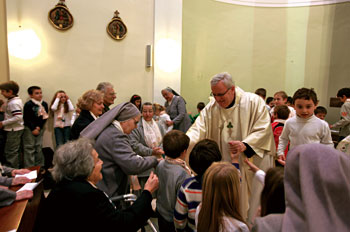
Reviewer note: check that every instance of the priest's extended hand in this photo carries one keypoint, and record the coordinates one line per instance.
(236, 146)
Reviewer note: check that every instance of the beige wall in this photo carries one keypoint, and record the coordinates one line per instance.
(273, 48)
(78, 59)
(279, 49)
(4, 66)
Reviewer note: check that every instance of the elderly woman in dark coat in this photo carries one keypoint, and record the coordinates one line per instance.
(113, 144)
(176, 108)
(76, 204)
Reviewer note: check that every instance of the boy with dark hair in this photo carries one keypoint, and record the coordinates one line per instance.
(344, 122)
(281, 114)
(203, 154)
(305, 127)
(35, 114)
(320, 112)
(12, 124)
(261, 92)
(172, 173)
(270, 103)
(200, 107)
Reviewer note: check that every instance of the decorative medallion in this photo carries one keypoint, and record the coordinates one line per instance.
(116, 28)
(60, 17)
(229, 127)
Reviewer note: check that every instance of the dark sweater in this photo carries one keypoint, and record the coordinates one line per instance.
(78, 206)
(84, 119)
(30, 115)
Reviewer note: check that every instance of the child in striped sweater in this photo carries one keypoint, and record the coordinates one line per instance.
(189, 196)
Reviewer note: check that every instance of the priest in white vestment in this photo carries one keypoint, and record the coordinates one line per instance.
(240, 123)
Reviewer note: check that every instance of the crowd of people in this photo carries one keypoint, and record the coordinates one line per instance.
(214, 171)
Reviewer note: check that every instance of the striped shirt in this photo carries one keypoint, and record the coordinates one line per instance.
(13, 115)
(188, 198)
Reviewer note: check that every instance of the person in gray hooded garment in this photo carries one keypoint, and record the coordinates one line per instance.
(112, 144)
(317, 189)
(175, 106)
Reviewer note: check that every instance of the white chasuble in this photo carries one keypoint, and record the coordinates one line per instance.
(231, 129)
(251, 124)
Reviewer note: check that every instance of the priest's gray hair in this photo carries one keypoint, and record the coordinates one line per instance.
(73, 160)
(103, 86)
(225, 77)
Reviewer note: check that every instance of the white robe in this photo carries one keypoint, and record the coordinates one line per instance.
(252, 120)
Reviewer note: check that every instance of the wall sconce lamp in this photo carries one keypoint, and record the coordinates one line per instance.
(24, 44)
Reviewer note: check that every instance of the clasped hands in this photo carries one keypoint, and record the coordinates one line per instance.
(236, 147)
(157, 152)
(169, 123)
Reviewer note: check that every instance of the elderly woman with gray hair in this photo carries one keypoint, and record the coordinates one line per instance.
(76, 204)
(175, 106)
(113, 144)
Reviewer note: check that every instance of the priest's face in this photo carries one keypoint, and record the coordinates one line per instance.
(223, 95)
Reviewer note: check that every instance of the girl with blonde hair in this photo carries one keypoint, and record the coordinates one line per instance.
(220, 208)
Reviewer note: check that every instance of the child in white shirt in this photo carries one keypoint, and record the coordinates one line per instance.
(61, 108)
(305, 127)
(13, 123)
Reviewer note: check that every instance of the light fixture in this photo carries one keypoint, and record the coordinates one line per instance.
(168, 55)
(24, 44)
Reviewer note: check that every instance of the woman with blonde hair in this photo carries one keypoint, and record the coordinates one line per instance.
(220, 208)
(91, 105)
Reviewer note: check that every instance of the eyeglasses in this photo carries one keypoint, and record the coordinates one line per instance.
(219, 94)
